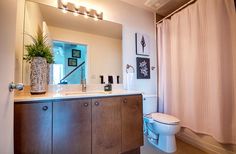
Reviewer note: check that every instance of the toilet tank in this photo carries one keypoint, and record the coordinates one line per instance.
(149, 104)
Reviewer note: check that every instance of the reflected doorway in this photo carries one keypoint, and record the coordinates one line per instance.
(68, 67)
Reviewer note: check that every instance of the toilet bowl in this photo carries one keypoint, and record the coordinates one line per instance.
(159, 128)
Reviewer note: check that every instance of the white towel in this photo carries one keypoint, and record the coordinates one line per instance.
(129, 80)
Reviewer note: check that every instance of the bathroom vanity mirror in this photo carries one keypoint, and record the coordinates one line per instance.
(74, 40)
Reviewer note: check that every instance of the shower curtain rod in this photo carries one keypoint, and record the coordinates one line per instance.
(177, 10)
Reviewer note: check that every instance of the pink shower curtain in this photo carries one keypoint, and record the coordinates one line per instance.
(197, 59)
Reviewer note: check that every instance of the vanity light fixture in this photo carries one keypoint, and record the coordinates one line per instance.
(66, 6)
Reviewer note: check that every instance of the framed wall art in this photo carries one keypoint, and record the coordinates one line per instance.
(72, 62)
(143, 68)
(76, 53)
(142, 43)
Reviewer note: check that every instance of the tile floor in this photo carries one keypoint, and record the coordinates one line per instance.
(182, 148)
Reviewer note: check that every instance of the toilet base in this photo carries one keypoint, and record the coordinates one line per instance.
(164, 143)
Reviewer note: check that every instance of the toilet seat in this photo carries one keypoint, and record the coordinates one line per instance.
(164, 118)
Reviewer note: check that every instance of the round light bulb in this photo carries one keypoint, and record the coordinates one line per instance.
(75, 13)
(64, 10)
(95, 18)
(85, 15)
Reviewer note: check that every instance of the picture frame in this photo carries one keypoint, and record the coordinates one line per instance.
(72, 62)
(76, 53)
(142, 44)
(143, 68)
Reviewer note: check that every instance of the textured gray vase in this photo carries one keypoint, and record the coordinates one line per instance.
(39, 75)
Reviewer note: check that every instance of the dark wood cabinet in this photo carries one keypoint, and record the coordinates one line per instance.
(106, 125)
(133, 151)
(33, 128)
(72, 127)
(132, 122)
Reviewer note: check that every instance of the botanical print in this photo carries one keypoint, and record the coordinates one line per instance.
(143, 68)
(142, 44)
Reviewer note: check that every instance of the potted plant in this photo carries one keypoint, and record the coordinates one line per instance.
(40, 56)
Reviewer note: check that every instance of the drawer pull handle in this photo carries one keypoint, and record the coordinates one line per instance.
(97, 103)
(85, 104)
(45, 108)
(125, 100)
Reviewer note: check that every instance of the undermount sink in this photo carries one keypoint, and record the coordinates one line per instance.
(87, 93)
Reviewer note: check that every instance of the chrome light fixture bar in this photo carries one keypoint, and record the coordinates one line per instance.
(79, 10)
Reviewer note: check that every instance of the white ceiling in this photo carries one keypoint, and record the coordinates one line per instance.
(161, 7)
(139, 3)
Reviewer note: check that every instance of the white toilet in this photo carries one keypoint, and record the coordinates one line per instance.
(159, 128)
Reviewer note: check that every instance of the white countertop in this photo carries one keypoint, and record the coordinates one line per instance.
(27, 97)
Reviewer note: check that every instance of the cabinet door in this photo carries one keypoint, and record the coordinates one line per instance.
(132, 122)
(32, 128)
(72, 127)
(106, 125)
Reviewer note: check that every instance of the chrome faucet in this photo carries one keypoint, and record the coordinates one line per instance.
(83, 83)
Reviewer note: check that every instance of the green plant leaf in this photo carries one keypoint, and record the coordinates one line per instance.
(39, 48)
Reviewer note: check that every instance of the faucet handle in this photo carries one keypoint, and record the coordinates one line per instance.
(83, 82)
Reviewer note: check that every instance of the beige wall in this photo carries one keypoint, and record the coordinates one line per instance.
(19, 40)
(33, 21)
(104, 53)
(29, 18)
(7, 58)
(133, 20)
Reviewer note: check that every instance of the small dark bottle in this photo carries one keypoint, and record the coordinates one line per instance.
(102, 79)
(110, 79)
(118, 79)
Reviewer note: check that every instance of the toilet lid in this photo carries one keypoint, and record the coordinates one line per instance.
(164, 118)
